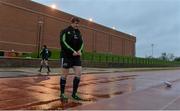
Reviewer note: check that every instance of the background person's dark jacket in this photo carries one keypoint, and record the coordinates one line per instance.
(44, 53)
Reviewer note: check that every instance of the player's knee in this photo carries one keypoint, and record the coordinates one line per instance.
(78, 75)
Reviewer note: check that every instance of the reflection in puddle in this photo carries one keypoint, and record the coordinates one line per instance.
(41, 78)
(70, 105)
(42, 92)
(58, 105)
(108, 80)
(107, 95)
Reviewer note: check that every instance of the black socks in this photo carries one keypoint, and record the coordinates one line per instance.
(62, 84)
(40, 68)
(48, 69)
(75, 84)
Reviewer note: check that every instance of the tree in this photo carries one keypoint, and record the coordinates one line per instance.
(177, 59)
(171, 57)
(163, 56)
(167, 57)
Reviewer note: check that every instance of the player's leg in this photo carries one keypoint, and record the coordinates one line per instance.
(41, 65)
(65, 65)
(47, 65)
(78, 70)
(63, 78)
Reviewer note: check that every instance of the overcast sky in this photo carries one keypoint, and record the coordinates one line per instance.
(151, 21)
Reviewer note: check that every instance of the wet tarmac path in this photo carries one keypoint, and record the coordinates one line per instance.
(98, 90)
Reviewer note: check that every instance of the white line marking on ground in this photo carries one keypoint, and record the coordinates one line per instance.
(171, 102)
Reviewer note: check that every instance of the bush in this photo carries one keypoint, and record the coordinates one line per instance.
(108, 58)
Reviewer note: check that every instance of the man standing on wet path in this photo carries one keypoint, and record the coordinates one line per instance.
(71, 50)
(45, 54)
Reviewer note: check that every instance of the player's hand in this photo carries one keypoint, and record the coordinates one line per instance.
(75, 53)
(79, 53)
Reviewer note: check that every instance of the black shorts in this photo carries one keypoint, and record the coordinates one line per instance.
(44, 58)
(70, 62)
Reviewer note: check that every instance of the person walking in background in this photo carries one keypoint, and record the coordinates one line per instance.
(45, 54)
(71, 49)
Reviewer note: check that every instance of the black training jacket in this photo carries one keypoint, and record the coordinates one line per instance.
(70, 41)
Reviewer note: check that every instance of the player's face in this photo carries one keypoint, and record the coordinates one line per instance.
(75, 25)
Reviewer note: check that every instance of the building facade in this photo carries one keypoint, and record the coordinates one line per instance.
(25, 26)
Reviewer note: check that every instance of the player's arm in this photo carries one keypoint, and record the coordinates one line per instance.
(81, 47)
(66, 45)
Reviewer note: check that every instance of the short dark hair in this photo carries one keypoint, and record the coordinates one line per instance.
(44, 46)
(75, 19)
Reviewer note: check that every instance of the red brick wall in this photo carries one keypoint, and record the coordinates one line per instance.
(117, 45)
(25, 25)
(102, 42)
(88, 38)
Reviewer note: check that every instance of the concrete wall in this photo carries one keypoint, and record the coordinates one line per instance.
(25, 26)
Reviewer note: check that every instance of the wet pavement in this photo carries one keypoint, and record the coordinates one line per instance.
(24, 71)
(116, 90)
